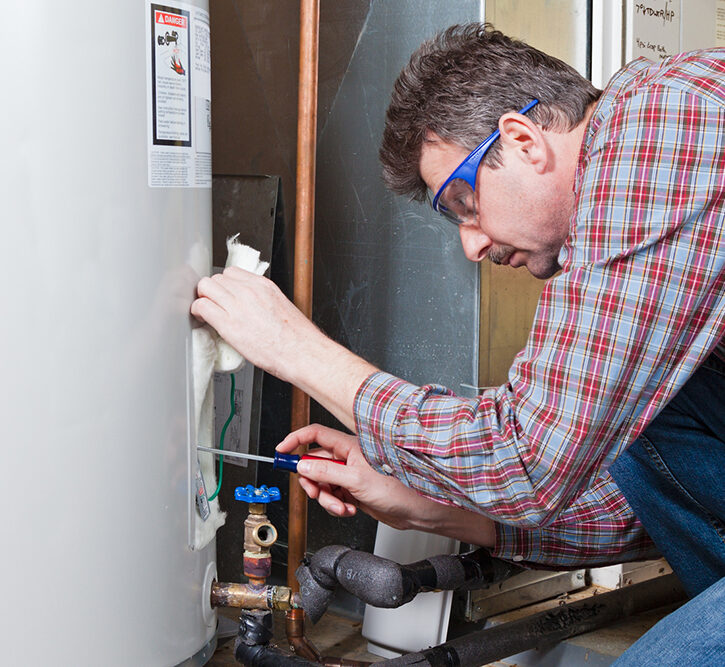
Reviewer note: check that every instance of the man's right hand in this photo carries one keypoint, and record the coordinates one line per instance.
(341, 490)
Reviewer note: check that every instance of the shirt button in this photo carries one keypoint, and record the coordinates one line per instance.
(387, 469)
(517, 559)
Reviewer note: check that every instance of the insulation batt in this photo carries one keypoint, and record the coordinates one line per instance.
(212, 354)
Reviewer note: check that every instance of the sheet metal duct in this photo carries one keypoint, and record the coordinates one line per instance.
(391, 281)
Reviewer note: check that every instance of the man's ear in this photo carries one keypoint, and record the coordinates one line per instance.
(524, 140)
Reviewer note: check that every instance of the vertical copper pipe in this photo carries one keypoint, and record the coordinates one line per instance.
(304, 247)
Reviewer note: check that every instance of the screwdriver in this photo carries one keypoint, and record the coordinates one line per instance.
(279, 462)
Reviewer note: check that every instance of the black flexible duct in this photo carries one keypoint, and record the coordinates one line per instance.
(383, 583)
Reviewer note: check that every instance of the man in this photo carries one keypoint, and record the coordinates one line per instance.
(623, 376)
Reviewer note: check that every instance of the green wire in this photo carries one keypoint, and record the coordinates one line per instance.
(221, 438)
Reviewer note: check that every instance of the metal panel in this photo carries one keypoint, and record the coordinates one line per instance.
(391, 281)
(244, 205)
(625, 574)
(521, 590)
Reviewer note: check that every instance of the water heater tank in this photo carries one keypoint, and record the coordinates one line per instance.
(105, 200)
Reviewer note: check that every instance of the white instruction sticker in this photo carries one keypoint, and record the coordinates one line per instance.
(655, 29)
(179, 94)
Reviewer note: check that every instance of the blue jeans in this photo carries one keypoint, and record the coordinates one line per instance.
(673, 476)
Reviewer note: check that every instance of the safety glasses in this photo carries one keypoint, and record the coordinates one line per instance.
(455, 199)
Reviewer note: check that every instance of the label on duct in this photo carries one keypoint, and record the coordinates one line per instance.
(179, 95)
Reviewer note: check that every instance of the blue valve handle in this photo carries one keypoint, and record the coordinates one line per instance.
(289, 461)
(251, 494)
(262, 494)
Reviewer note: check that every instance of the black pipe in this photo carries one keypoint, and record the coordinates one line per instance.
(383, 583)
(370, 577)
(546, 628)
(252, 648)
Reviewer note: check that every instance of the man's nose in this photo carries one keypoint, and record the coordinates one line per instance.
(475, 243)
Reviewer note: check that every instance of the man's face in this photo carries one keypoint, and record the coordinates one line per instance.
(523, 216)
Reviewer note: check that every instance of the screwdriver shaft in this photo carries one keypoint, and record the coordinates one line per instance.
(236, 455)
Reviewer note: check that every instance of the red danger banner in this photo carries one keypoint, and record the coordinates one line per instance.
(171, 19)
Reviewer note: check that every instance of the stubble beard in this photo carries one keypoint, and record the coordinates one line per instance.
(500, 253)
(542, 265)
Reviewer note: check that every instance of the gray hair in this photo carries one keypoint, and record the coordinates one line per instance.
(460, 83)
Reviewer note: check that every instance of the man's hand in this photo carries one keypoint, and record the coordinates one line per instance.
(254, 317)
(341, 490)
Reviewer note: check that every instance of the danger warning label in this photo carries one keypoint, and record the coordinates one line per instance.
(171, 19)
(180, 95)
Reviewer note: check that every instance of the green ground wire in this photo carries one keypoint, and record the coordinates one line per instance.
(221, 438)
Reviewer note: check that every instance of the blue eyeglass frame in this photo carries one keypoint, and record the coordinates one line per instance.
(468, 169)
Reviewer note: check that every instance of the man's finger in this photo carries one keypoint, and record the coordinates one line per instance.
(312, 489)
(338, 443)
(333, 505)
(329, 439)
(303, 436)
(235, 273)
(213, 289)
(329, 473)
(207, 310)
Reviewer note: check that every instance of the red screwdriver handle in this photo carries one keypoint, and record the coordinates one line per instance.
(312, 457)
(289, 461)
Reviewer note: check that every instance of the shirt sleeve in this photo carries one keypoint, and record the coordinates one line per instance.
(598, 529)
(639, 304)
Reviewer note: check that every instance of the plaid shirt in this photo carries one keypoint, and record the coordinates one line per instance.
(639, 304)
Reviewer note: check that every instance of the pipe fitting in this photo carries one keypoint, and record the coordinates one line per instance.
(259, 536)
(298, 642)
(264, 535)
(252, 648)
(259, 533)
(251, 596)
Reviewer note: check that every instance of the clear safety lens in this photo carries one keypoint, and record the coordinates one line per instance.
(457, 202)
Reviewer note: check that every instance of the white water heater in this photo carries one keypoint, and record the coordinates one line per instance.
(105, 200)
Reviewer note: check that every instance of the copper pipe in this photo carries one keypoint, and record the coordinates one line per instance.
(304, 249)
(295, 631)
(250, 596)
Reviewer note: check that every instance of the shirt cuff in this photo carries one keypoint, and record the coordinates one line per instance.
(587, 544)
(516, 545)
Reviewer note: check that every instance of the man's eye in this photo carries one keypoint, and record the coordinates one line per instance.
(459, 196)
